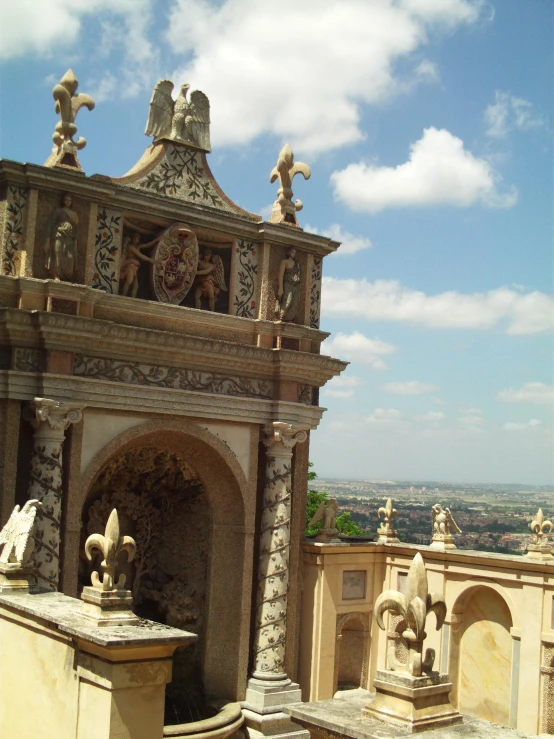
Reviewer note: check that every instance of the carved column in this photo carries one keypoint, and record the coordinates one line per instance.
(50, 419)
(269, 688)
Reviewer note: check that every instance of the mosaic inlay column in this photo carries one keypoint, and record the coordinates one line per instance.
(273, 569)
(50, 419)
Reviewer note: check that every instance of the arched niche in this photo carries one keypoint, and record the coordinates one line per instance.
(352, 651)
(224, 504)
(481, 654)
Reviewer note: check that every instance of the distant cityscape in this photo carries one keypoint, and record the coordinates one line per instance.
(492, 517)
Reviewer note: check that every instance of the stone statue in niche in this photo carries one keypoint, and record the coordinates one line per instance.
(60, 247)
(183, 121)
(68, 105)
(131, 252)
(288, 289)
(210, 279)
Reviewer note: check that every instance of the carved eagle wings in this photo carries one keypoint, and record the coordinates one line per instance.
(184, 121)
(16, 538)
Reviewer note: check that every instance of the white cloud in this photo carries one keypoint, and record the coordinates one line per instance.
(342, 387)
(508, 113)
(533, 423)
(325, 59)
(358, 348)
(350, 244)
(440, 171)
(46, 27)
(432, 416)
(535, 393)
(388, 300)
(411, 387)
(384, 415)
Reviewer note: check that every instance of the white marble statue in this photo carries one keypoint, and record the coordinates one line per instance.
(184, 121)
(17, 537)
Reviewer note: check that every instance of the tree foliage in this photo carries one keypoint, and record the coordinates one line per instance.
(345, 524)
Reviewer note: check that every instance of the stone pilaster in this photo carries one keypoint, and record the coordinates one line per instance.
(269, 688)
(50, 419)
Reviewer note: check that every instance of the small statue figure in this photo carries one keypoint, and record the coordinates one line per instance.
(68, 105)
(443, 526)
(210, 279)
(16, 538)
(284, 210)
(131, 252)
(60, 246)
(288, 291)
(327, 514)
(183, 121)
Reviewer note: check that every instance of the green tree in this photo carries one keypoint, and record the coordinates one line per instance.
(345, 524)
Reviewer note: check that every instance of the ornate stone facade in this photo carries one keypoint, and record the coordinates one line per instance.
(107, 249)
(11, 229)
(246, 279)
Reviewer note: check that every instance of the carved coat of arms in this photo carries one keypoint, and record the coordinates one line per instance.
(175, 264)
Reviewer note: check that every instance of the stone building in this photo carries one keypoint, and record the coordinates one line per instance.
(160, 352)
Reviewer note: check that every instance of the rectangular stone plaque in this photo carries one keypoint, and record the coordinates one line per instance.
(353, 584)
(402, 577)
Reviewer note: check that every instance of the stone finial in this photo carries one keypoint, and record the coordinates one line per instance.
(68, 104)
(183, 121)
(414, 607)
(541, 547)
(443, 528)
(17, 544)
(284, 210)
(386, 531)
(326, 513)
(107, 602)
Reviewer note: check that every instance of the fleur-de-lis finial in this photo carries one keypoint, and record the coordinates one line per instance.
(386, 530)
(111, 544)
(540, 527)
(68, 104)
(284, 210)
(414, 607)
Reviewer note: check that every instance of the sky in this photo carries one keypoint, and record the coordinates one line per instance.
(427, 125)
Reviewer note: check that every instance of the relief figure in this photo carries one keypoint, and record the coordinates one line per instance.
(210, 279)
(288, 292)
(132, 253)
(60, 246)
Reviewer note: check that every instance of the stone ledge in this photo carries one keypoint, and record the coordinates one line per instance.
(342, 717)
(63, 614)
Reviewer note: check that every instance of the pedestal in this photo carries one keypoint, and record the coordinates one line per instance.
(16, 579)
(108, 607)
(415, 703)
(540, 552)
(262, 709)
(442, 542)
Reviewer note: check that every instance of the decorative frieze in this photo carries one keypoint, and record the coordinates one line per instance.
(273, 566)
(315, 292)
(12, 229)
(176, 378)
(27, 360)
(107, 249)
(246, 279)
(50, 419)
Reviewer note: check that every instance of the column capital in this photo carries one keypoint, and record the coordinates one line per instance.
(280, 436)
(58, 414)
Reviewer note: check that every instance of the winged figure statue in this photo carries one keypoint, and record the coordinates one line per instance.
(443, 522)
(184, 121)
(210, 279)
(16, 538)
(327, 514)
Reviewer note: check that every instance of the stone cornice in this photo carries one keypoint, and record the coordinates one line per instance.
(105, 339)
(156, 401)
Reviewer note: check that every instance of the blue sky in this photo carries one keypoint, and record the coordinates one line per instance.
(428, 128)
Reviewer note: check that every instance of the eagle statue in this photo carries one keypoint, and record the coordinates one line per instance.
(17, 538)
(183, 121)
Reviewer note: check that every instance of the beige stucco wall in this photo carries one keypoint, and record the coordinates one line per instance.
(499, 618)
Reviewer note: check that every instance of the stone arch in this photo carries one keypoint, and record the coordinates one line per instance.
(352, 651)
(231, 498)
(481, 653)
